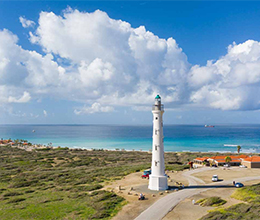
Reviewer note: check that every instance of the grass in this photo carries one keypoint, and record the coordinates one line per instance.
(248, 194)
(65, 183)
(211, 201)
(241, 211)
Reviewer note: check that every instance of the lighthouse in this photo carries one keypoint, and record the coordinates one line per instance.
(158, 179)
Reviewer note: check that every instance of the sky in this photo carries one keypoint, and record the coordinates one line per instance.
(95, 62)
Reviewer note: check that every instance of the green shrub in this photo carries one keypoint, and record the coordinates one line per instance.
(211, 201)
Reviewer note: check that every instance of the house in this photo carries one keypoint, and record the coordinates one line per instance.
(201, 160)
(5, 142)
(220, 160)
(251, 162)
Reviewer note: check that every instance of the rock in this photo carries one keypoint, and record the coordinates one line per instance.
(161, 193)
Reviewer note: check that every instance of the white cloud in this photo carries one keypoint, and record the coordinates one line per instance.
(45, 113)
(26, 23)
(25, 98)
(91, 58)
(94, 108)
(109, 58)
(231, 82)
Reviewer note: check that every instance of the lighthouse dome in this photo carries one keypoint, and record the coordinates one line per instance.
(157, 97)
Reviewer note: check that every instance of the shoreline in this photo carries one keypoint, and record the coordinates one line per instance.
(40, 147)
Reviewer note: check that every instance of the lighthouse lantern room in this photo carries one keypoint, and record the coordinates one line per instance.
(158, 179)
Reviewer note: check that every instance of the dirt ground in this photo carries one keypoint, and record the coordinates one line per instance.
(185, 209)
(139, 185)
(227, 174)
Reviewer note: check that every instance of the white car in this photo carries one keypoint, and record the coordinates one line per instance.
(226, 165)
(243, 166)
(215, 178)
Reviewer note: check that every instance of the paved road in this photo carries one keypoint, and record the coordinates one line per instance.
(161, 207)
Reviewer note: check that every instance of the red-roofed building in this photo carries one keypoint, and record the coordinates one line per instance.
(220, 160)
(200, 160)
(251, 162)
(4, 142)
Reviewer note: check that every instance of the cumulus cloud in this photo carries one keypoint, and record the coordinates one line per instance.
(92, 58)
(231, 82)
(26, 23)
(94, 108)
(25, 98)
(112, 59)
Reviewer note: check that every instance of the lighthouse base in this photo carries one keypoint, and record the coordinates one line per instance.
(158, 183)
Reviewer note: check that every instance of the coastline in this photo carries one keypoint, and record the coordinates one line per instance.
(41, 147)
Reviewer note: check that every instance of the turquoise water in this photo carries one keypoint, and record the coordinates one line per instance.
(177, 137)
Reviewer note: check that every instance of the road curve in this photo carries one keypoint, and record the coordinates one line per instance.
(161, 207)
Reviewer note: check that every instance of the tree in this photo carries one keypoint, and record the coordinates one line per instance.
(228, 159)
(238, 149)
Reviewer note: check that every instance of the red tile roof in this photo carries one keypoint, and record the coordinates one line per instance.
(252, 159)
(221, 158)
(201, 158)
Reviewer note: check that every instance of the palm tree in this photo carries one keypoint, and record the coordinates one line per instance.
(238, 149)
(228, 159)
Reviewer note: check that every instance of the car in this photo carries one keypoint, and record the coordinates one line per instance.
(146, 176)
(147, 172)
(238, 185)
(226, 165)
(243, 166)
(215, 178)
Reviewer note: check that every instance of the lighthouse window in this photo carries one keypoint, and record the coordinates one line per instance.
(155, 163)
(156, 118)
(156, 147)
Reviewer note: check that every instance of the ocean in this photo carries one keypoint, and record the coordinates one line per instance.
(221, 138)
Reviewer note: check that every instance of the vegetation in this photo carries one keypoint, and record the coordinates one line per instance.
(245, 211)
(63, 183)
(238, 149)
(211, 201)
(248, 193)
(228, 159)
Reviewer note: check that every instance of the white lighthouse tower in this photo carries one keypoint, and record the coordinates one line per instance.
(158, 179)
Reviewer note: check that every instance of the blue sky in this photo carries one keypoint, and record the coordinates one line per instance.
(194, 90)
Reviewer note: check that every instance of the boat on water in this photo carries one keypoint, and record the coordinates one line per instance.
(33, 131)
(209, 126)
